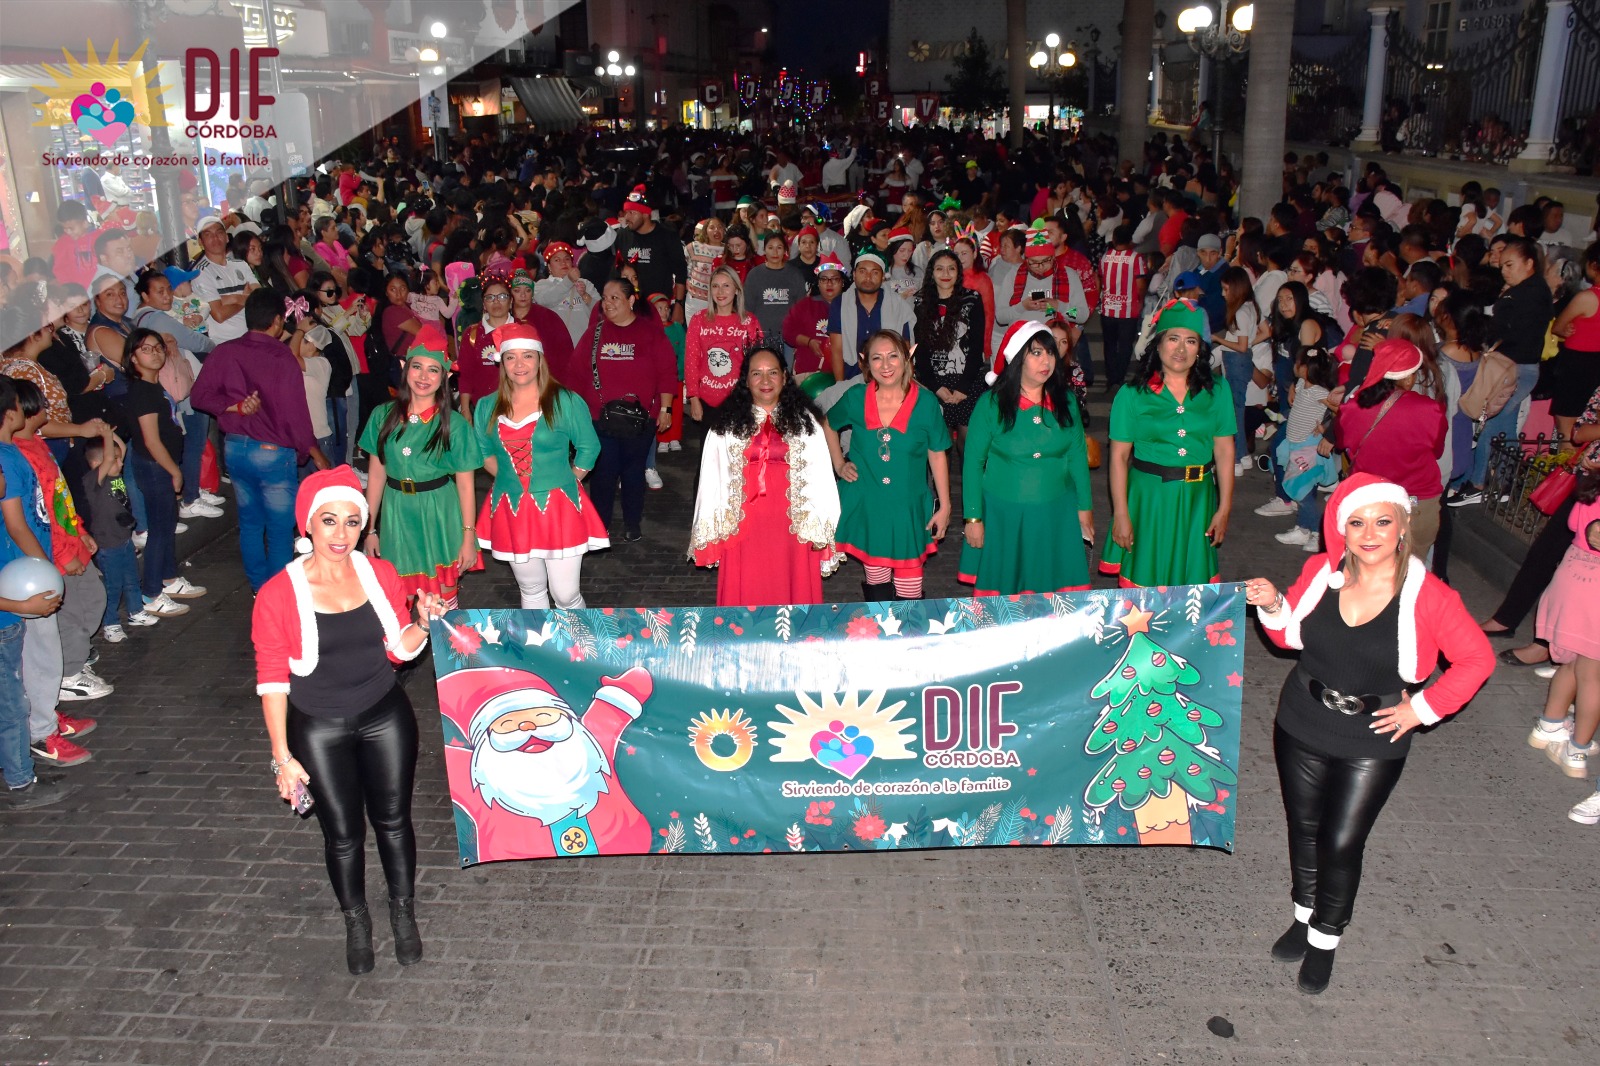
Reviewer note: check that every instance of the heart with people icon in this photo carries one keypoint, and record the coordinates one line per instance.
(104, 114)
(841, 748)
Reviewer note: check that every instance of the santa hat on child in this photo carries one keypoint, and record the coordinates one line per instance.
(788, 193)
(1355, 492)
(336, 485)
(637, 201)
(514, 337)
(1013, 344)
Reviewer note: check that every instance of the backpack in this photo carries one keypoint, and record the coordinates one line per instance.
(1491, 389)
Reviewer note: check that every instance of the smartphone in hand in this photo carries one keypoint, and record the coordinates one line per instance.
(302, 798)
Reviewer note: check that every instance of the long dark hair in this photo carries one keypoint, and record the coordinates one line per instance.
(933, 329)
(1058, 393)
(1149, 366)
(796, 415)
(444, 400)
(1286, 331)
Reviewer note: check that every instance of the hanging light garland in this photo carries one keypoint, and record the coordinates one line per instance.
(750, 91)
(815, 99)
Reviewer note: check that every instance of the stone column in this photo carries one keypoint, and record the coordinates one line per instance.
(1377, 66)
(1266, 109)
(1558, 20)
(1155, 80)
(1138, 30)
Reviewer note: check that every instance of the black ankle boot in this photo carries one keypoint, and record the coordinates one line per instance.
(403, 920)
(871, 593)
(1291, 946)
(1316, 970)
(358, 940)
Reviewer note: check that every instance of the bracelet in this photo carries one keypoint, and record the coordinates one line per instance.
(974, 521)
(1277, 605)
(279, 767)
(469, 529)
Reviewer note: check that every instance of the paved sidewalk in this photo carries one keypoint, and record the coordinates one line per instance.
(174, 912)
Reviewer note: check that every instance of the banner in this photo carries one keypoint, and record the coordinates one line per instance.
(1104, 717)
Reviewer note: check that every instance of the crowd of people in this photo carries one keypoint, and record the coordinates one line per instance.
(832, 326)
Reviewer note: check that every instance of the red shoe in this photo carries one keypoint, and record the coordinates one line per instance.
(57, 749)
(73, 728)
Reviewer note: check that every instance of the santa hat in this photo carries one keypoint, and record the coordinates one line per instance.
(1355, 492)
(808, 231)
(1013, 343)
(338, 484)
(480, 696)
(853, 219)
(1394, 360)
(1038, 243)
(598, 240)
(636, 201)
(430, 343)
(829, 262)
(514, 336)
(555, 248)
(788, 193)
(899, 233)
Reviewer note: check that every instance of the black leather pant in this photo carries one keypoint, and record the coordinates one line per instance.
(362, 767)
(1331, 805)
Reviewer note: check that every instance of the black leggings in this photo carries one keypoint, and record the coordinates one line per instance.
(362, 767)
(1331, 805)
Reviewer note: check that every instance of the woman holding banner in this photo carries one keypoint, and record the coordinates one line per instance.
(1346, 712)
(898, 435)
(1171, 461)
(1026, 469)
(767, 505)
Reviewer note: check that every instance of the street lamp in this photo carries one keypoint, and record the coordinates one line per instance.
(614, 69)
(1053, 62)
(438, 31)
(1216, 41)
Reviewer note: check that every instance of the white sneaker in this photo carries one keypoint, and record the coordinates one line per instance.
(139, 539)
(164, 606)
(675, 446)
(142, 618)
(1587, 812)
(113, 634)
(83, 685)
(1327, 490)
(1545, 735)
(1241, 466)
(663, 447)
(212, 498)
(1573, 760)
(1276, 508)
(180, 588)
(180, 528)
(1545, 670)
(1298, 536)
(1313, 544)
(652, 478)
(199, 509)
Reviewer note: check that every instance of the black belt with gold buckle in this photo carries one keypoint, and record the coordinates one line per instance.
(411, 488)
(1174, 473)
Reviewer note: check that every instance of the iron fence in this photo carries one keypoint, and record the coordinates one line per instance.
(1180, 83)
(1516, 467)
(1326, 95)
(1576, 139)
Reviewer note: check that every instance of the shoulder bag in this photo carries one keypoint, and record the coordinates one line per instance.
(625, 418)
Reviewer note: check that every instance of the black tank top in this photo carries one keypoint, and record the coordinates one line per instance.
(1358, 660)
(353, 671)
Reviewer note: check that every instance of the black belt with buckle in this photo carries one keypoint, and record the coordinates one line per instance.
(1347, 703)
(411, 488)
(1174, 473)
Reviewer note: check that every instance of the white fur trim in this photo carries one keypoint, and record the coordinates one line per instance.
(1302, 914)
(392, 626)
(301, 588)
(1416, 573)
(1366, 495)
(399, 649)
(332, 493)
(1325, 941)
(1289, 620)
(624, 701)
(1425, 712)
(269, 687)
(1014, 343)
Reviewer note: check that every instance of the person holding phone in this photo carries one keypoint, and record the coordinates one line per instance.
(328, 630)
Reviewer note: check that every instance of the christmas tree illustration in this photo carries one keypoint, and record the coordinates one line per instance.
(1155, 737)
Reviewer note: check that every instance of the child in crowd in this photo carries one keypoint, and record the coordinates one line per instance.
(1569, 619)
(1296, 462)
(194, 311)
(435, 302)
(103, 505)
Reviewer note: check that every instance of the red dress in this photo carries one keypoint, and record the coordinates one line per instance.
(552, 528)
(764, 564)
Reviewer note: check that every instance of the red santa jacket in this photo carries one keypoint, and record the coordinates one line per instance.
(1433, 622)
(284, 624)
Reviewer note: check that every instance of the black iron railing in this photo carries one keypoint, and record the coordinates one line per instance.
(1517, 466)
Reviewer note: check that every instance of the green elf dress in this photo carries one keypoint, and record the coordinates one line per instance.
(421, 512)
(885, 511)
(1172, 478)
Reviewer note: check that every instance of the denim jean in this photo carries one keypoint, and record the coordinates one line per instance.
(141, 521)
(1283, 378)
(160, 563)
(334, 446)
(1083, 355)
(1119, 335)
(264, 486)
(119, 570)
(196, 427)
(1238, 367)
(307, 468)
(16, 761)
(622, 460)
(1310, 514)
(1503, 422)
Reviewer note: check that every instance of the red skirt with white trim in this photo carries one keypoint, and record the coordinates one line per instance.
(515, 532)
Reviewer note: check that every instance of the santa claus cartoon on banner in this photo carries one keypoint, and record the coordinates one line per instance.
(543, 780)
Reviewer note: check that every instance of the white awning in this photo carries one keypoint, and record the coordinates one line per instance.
(550, 102)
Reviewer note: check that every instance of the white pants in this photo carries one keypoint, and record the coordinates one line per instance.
(540, 580)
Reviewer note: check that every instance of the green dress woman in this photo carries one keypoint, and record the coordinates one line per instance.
(1171, 461)
(420, 476)
(1025, 473)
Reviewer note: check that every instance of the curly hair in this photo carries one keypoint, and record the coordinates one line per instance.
(796, 415)
(1149, 365)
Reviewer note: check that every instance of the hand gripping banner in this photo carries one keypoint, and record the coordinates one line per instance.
(1105, 717)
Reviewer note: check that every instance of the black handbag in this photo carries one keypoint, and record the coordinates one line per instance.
(626, 418)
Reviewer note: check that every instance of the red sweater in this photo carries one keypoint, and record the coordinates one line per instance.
(1433, 622)
(808, 318)
(713, 354)
(635, 360)
(1404, 448)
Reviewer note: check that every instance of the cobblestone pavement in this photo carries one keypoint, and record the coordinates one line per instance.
(173, 912)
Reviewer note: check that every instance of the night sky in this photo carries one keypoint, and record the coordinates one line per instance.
(824, 35)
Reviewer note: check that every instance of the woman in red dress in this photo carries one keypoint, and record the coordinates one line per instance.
(771, 545)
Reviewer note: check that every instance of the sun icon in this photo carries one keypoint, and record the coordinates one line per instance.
(842, 732)
(82, 86)
(733, 725)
